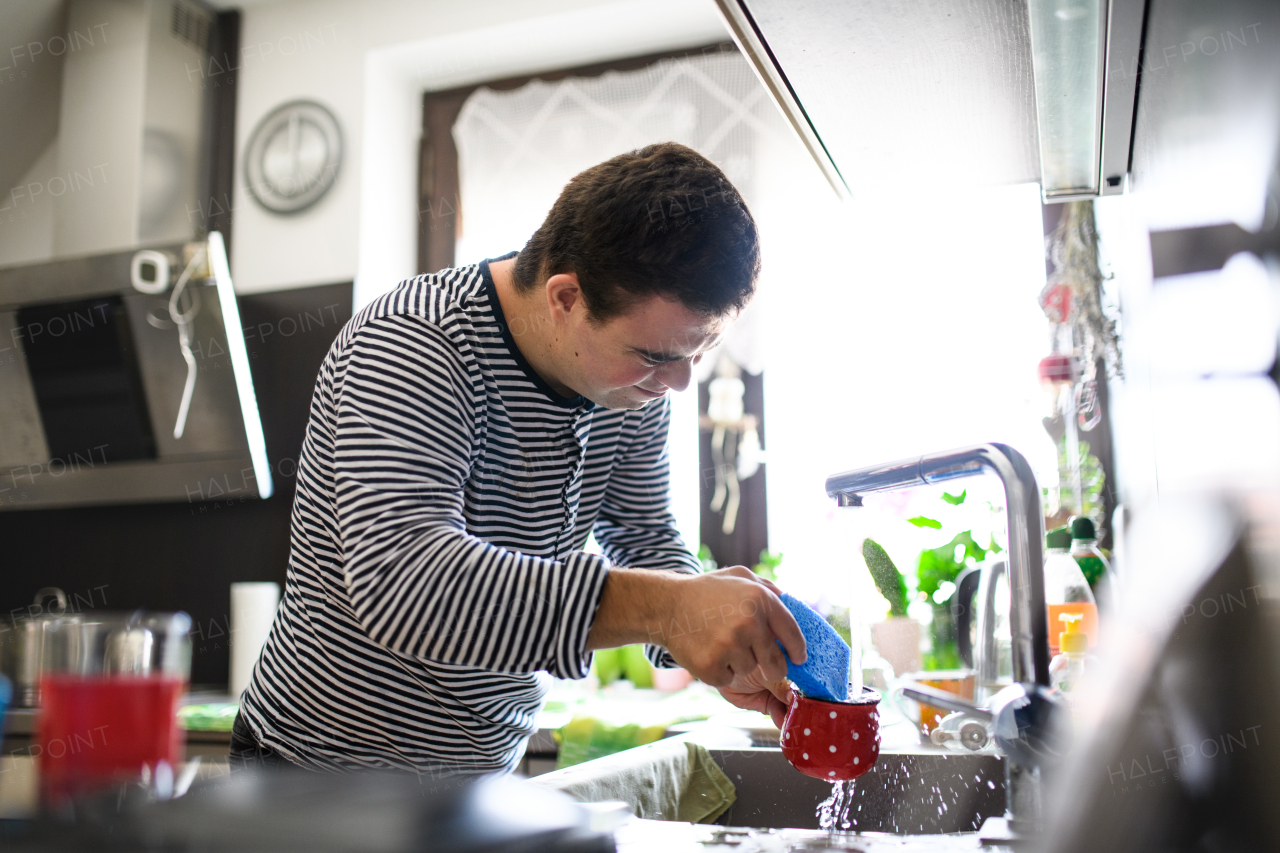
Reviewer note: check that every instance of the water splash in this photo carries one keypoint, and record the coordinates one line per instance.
(833, 812)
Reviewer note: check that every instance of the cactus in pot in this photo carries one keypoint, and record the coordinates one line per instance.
(897, 638)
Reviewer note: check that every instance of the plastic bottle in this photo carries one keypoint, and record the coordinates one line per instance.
(1066, 590)
(1067, 667)
(1096, 569)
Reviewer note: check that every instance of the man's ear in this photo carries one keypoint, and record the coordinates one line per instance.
(563, 294)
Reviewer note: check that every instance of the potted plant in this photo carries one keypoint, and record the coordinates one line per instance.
(898, 637)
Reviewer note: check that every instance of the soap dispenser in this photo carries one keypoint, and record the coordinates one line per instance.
(1067, 667)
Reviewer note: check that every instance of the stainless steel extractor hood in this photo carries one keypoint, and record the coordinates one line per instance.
(114, 390)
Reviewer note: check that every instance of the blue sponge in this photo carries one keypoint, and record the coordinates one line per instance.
(825, 672)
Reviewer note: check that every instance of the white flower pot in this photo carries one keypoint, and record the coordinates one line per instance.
(898, 641)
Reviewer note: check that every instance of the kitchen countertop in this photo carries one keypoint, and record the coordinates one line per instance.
(20, 730)
(20, 723)
(540, 753)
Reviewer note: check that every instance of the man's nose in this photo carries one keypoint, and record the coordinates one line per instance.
(676, 374)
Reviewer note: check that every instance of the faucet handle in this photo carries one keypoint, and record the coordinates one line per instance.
(1032, 724)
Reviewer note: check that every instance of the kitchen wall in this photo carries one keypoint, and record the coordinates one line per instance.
(369, 62)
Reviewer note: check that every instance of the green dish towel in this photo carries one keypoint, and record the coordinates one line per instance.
(672, 779)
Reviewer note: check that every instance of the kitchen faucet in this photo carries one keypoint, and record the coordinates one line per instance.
(1024, 713)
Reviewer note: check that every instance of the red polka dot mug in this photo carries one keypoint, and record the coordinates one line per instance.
(832, 740)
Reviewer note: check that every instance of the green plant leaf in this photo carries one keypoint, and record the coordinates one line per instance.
(886, 575)
(939, 565)
(921, 521)
(768, 564)
(955, 500)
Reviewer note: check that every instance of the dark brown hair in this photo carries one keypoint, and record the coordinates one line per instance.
(659, 220)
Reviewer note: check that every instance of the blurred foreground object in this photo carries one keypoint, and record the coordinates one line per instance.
(302, 811)
(1179, 752)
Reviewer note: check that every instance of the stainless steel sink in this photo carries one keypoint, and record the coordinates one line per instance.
(908, 792)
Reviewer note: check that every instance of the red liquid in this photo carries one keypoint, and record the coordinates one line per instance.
(94, 731)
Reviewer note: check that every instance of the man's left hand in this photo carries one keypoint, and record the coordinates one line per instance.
(753, 692)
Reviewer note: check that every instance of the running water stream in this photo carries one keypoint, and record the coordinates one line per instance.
(833, 812)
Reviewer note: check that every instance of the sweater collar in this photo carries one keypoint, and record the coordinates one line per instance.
(491, 291)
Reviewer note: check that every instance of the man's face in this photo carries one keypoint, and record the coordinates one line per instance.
(633, 359)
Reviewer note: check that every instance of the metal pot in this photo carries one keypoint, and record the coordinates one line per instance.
(24, 647)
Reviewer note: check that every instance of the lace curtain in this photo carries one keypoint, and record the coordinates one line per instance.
(517, 149)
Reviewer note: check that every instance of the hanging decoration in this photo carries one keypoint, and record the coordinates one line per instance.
(1072, 298)
(1081, 335)
(735, 440)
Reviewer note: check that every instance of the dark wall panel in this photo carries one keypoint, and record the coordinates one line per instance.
(751, 532)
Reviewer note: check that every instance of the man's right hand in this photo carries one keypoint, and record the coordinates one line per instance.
(722, 625)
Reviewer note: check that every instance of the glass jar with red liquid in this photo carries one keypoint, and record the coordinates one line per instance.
(109, 697)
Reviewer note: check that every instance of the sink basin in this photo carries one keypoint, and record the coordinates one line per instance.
(908, 792)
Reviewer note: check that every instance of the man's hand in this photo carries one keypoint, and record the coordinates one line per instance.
(763, 688)
(754, 694)
(722, 626)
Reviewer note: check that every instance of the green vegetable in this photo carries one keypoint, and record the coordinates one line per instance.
(608, 665)
(887, 577)
(922, 521)
(635, 666)
(626, 662)
(955, 500)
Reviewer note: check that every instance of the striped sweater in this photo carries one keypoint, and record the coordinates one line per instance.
(436, 574)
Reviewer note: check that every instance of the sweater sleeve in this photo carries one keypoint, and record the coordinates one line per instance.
(636, 527)
(420, 584)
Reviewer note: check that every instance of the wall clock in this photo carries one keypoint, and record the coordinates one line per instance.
(293, 157)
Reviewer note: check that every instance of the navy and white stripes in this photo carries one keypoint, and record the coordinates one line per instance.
(445, 492)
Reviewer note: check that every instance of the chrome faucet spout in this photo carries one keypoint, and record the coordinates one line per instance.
(1028, 619)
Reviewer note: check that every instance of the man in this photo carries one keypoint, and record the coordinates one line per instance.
(468, 431)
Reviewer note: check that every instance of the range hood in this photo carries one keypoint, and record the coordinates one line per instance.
(106, 399)
(943, 97)
(109, 143)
